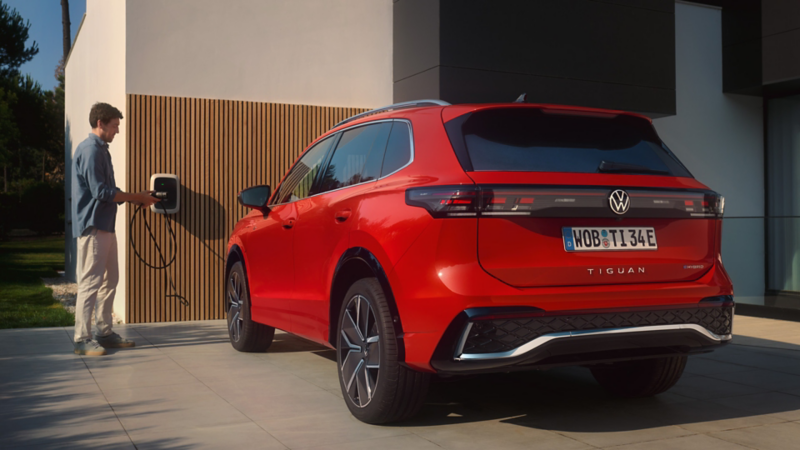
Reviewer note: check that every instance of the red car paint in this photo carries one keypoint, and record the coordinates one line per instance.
(438, 267)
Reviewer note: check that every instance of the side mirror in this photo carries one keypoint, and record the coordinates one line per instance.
(255, 197)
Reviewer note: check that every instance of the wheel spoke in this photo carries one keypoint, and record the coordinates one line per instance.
(351, 330)
(232, 292)
(234, 326)
(350, 346)
(352, 363)
(238, 287)
(373, 355)
(238, 328)
(363, 316)
(364, 389)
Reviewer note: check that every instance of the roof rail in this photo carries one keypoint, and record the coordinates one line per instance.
(396, 106)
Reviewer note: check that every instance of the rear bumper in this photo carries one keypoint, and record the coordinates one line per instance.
(483, 340)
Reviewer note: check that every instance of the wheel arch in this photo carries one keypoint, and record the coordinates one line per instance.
(234, 255)
(357, 263)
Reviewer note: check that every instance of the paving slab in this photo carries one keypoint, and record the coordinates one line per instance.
(184, 386)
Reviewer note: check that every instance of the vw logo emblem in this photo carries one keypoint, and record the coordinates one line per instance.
(619, 201)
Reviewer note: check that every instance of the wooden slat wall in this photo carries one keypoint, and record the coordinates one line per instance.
(217, 148)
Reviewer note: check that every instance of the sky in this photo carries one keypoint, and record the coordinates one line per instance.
(45, 19)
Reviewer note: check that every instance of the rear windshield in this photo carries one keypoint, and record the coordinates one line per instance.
(532, 140)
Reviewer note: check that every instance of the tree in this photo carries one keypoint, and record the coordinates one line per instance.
(65, 27)
(13, 35)
(8, 132)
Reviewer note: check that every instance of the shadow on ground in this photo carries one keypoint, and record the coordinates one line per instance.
(48, 396)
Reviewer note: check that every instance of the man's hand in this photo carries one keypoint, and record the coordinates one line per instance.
(145, 199)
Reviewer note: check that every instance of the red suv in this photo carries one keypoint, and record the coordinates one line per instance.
(426, 238)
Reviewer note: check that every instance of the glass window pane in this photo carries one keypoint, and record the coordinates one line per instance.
(300, 180)
(349, 157)
(398, 150)
(372, 168)
(783, 202)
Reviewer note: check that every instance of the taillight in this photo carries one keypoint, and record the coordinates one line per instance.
(719, 206)
(446, 201)
(562, 201)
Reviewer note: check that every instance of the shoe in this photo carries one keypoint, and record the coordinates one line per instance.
(89, 347)
(114, 340)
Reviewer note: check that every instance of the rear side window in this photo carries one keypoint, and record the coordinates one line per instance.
(398, 150)
(300, 180)
(351, 155)
(534, 140)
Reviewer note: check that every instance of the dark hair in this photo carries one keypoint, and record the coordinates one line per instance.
(104, 113)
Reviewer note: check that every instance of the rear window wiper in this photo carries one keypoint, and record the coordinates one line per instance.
(615, 167)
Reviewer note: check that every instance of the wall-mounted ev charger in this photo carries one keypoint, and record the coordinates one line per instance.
(167, 187)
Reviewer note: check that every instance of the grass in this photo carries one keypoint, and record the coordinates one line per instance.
(24, 300)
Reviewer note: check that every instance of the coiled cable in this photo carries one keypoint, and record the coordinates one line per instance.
(168, 282)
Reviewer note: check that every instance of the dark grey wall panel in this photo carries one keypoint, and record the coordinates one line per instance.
(423, 85)
(741, 45)
(780, 46)
(655, 5)
(741, 67)
(416, 37)
(602, 53)
(579, 39)
(460, 85)
(781, 53)
(779, 16)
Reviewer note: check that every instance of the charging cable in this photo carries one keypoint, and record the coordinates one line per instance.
(168, 282)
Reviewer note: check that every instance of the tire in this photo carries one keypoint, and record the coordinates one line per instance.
(375, 386)
(245, 335)
(642, 378)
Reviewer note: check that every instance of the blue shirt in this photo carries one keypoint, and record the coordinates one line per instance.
(93, 187)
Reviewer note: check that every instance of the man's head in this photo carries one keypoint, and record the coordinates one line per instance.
(105, 121)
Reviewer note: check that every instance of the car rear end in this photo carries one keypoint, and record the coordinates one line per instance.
(581, 240)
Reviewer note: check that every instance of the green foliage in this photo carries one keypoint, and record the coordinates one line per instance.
(24, 300)
(8, 125)
(31, 135)
(39, 207)
(13, 35)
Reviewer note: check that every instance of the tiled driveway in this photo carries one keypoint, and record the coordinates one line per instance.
(185, 387)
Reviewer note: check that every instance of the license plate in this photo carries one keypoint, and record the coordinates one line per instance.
(598, 239)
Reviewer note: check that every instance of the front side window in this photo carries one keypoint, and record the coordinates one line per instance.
(352, 154)
(300, 180)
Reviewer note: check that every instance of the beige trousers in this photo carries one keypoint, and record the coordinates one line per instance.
(98, 274)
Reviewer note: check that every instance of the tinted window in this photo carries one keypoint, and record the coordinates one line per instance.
(372, 168)
(530, 140)
(351, 154)
(300, 180)
(398, 150)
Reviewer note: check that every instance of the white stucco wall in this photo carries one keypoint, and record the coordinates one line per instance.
(315, 52)
(95, 72)
(720, 139)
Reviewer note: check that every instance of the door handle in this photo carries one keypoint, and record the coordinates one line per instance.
(288, 223)
(343, 215)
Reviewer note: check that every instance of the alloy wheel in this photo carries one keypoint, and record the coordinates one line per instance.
(235, 305)
(359, 351)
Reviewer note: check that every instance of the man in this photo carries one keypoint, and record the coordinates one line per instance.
(95, 196)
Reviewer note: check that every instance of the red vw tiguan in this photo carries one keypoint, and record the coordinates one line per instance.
(426, 238)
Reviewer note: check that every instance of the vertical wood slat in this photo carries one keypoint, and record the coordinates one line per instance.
(217, 148)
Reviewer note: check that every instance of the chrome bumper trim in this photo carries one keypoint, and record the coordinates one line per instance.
(541, 340)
